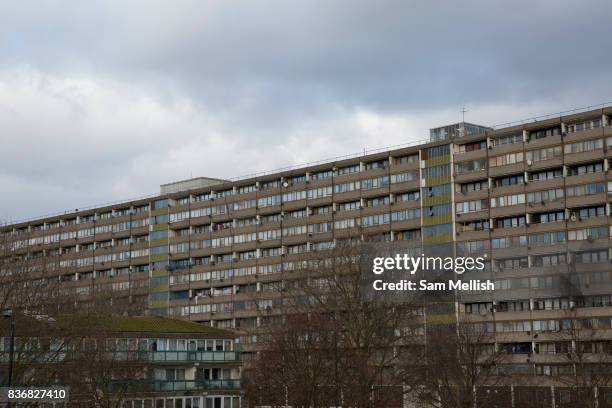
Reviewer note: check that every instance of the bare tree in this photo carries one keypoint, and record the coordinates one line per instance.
(586, 359)
(458, 364)
(336, 342)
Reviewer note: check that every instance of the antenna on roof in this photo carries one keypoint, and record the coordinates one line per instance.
(463, 111)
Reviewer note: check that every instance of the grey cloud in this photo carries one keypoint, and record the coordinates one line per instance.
(107, 100)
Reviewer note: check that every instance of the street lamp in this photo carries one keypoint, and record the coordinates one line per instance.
(8, 314)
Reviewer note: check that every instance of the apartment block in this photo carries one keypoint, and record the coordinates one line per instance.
(148, 362)
(533, 197)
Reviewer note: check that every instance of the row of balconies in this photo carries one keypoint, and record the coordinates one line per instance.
(151, 357)
(288, 183)
(529, 136)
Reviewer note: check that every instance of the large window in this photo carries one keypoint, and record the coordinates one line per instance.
(586, 169)
(510, 158)
(585, 125)
(474, 186)
(471, 206)
(509, 139)
(470, 147)
(585, 189)
(470, 166)
(545, 196)
(508, 200)
(510, 222)
(584, 146)
(544, 154)
(546, 175)
(509, 181)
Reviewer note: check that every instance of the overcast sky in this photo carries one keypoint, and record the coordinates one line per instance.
(101, 103)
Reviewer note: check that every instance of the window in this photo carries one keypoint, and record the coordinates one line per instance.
(544, 154)
(411, 196)
(549, 260)
(437, 191)
(405, 214)
(348, 170)
(510, 222)
(542, 133)
(509, 139)
(509, 242)
(437, 210)
(470, 147)
(586, 169)
(320, 192)
(502, 265)
(584, 146)
(587, 233)
(480, 225)
(475, 186)
(346, 223)
(545, 196)
(346, 187)
(436, 152)
(508, 200)
(412, 158)
(593, 257)
(408, 235)
(404, 177)
(437, 230)
(478, 308)
(547, 238)
(224, 193)
(513, 306)
(473, 246)
(585, 189)
(352, 205)
(555, 216)
(580, 126)
(319, 228)
(155, 235)
(546, 175)
(377, 201)
(377, 182)
(322, 175)
(470, 166)
(380, 164)
(160, 204)
(247, 189)
(506, 159)
(379, 219)
(437, 171)
(509, 181)
(471, 206)
(265, 185)
(590, 212)
(297, 179)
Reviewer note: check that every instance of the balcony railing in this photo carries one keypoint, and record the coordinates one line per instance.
(182, 356)
(187, 385)
(141, 356)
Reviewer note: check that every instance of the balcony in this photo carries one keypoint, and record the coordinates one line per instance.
(182, 356)
(152, 357)
(184, 385)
